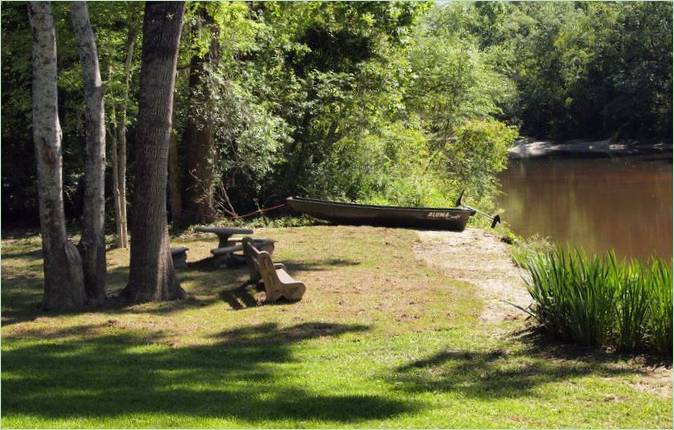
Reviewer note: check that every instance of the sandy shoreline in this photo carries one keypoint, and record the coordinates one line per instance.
(479, 258)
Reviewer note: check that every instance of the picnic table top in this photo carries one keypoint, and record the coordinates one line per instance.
(224, 231)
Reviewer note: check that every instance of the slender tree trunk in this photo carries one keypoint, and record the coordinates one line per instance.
(63, 279)
(121, 137)
(112, 138)
(152, 275)
(175, 199)
(93, 219)
(200, 159)
(114, 164)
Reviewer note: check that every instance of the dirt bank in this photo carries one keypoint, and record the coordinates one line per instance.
(481, 259)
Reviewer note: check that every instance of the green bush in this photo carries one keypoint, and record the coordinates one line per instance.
(600, 301)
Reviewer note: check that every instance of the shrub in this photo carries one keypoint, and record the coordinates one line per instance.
(600, 301)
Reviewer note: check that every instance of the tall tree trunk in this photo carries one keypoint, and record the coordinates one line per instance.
(121, 136)
(152, 275)
(63, 279)
(93, 219)
(200, 159)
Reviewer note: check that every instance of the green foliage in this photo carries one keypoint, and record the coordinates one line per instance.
(599, 301)
(477, 151)
(248, 138)
(457, 94)
(388, 102)
(593, 69)
(110, 21)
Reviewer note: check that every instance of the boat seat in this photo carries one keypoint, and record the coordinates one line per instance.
(277, 281)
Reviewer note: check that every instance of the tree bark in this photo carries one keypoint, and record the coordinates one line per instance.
(152, 275)
(63, 279)
(93, 218)
(200, 159)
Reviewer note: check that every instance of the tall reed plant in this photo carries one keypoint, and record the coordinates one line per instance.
(600, 301)
(660, 313)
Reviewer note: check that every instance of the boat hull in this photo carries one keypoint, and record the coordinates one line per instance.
(453, 219)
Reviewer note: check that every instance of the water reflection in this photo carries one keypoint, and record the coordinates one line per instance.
(598, 204)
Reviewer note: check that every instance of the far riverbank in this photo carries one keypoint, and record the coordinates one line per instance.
(531, 148)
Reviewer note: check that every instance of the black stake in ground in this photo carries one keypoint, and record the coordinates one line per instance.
(494, 219)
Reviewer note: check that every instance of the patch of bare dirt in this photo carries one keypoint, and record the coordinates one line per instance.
(479, 258)
(656, 380)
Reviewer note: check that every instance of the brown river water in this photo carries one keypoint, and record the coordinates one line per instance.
(621, 203)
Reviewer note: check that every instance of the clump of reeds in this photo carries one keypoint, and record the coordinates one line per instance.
(600, 301)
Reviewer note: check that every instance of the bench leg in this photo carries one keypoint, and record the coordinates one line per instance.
(180, 261)
(220, 261)
(273, 294)
(294, 292)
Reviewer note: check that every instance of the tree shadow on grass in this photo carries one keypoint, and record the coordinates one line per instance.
(246, 375)
(22, 291)
(13, 233)
(28, 255)
(206, 264)
(21, 298)
(499, 373)
(242, 297)
(22, 295)
(542, 344)
(319, 265)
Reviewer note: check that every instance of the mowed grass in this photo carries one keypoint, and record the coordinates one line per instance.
(379, 340)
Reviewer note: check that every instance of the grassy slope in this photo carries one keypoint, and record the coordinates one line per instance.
(379, 340)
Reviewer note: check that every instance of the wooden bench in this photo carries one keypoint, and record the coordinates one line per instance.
(179, 256)
(277, 281)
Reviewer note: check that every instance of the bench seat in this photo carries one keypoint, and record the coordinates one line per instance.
(218, 252)
(284, 276)
(235, 245)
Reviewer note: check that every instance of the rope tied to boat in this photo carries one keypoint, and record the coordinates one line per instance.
(259, 211)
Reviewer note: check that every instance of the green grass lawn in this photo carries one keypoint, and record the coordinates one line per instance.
(379, 340)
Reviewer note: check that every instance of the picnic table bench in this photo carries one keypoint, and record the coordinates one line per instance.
(226, 256)
(277, 281)
(179, 256)
(235, 245)
(224, 253)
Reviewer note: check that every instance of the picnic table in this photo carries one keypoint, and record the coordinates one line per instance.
(224, 233)
(224, 254)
